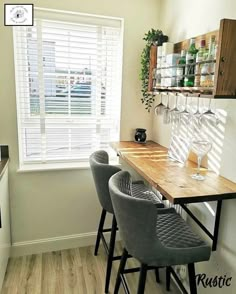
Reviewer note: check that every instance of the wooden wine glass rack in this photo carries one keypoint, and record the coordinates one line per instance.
(225, 65)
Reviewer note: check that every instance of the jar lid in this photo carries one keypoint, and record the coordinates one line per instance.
(141, 130)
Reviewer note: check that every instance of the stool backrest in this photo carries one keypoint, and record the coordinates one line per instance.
(136, 218)
(102, 171)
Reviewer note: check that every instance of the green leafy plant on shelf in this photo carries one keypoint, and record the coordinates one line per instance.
(152, 37)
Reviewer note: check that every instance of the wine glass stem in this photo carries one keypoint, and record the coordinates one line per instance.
(186, 101)
(199, 160)
(209, 106)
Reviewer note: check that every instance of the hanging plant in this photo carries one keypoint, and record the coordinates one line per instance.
(152, 37)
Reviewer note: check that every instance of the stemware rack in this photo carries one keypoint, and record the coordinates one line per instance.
(185, 91)
(225, 65)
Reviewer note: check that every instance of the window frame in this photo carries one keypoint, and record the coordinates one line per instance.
(66, 162)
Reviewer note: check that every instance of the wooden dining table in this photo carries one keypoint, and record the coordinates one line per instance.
(173, 179)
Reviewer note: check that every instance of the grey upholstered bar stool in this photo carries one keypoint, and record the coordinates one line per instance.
(155, 237)
(102, 171)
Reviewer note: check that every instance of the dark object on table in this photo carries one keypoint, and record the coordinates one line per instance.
(140, 135)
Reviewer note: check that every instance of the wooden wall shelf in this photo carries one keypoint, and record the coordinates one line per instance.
(225, 64)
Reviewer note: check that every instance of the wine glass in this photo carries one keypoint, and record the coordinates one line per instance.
(209, 117)
(159, 108)
(185, 111)
(166, 111)
(200, 148)
(196, 116)
(184, 115)
(197, 113)
(174, 112)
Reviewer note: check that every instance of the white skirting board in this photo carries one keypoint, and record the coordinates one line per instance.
(54, 244)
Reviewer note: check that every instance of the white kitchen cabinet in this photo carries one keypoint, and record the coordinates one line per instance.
(5, 237)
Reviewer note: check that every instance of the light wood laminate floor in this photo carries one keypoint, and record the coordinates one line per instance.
(71, 271)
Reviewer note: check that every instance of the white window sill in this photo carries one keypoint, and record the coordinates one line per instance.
(57, 166)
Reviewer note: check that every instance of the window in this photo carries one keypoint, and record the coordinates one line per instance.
(68, 85)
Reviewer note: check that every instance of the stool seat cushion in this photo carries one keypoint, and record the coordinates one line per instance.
(173, 232)
(178, 243)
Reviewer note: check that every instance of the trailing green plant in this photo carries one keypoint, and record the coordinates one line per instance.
(152, 37)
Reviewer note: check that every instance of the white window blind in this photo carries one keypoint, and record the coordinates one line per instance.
(68, 86)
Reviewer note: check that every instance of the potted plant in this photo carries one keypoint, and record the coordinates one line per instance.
(152, 38)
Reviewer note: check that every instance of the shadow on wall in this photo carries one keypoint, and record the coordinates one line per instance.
(218, 275)
(210, 127)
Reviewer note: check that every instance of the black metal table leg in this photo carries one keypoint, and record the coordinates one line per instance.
(213, 236)
(192, 281)
(217, 225)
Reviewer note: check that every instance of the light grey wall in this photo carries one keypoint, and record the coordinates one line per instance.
(57, 203)
(180, 20)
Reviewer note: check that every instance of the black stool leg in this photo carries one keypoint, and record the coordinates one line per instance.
(100, 228)
(192, 280)
(110, 254)
(167, 278)
(157, 275)
(121, 270)
(142, 279)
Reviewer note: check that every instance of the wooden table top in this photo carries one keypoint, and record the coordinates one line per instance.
(171, 178)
